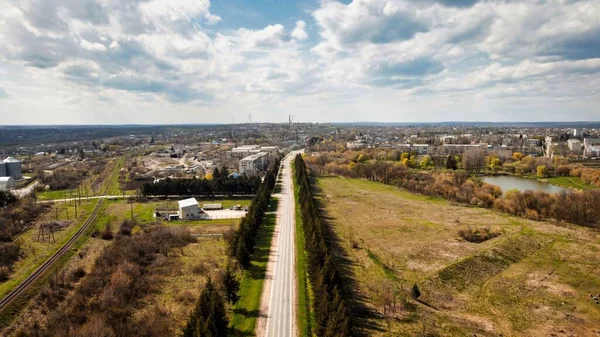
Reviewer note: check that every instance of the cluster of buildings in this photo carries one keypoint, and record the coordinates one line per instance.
(253, 158)
(10, 170)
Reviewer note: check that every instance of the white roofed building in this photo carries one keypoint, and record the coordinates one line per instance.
(188, 209)
(6, 183)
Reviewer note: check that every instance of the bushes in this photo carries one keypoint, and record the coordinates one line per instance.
(63, 178)
(477, 235)
(123, 274)
(329, 306)
(7, 198)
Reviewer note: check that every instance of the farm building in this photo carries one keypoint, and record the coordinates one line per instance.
(11, 167)
(6, 183)
(210, 207)
(188, 209)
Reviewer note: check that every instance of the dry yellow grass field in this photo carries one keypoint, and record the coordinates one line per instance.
(533, 280)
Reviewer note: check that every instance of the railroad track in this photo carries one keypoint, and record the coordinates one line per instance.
(46, 265)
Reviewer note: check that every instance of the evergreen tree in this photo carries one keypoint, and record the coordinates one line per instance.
(451, 163)
(415, 292)
(232, 286)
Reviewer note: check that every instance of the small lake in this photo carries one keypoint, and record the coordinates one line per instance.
(507, 183)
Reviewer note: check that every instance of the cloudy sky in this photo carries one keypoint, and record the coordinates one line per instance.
(196, 61)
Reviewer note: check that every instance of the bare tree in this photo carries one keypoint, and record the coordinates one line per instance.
(473, 160)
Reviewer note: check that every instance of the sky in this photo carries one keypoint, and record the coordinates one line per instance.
(197, 61)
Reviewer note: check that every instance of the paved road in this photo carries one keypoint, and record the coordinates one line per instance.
(280, 294)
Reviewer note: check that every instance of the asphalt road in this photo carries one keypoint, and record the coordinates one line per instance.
(280, 320)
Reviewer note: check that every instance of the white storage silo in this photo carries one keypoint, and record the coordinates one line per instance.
(13, 168)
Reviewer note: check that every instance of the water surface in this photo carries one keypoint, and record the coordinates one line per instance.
(507, 183)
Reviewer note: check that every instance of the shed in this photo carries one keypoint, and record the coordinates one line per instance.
(7, 183)
(188, 209)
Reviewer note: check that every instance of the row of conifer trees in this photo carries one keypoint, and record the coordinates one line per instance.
(329, 305)
(244, 239)
(209, 318)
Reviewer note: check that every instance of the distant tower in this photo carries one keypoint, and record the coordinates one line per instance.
(249, 119)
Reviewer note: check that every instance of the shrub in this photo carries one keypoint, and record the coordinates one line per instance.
(107, 233)
(477, 235)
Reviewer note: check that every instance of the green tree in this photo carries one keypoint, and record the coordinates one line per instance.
(426, 162)
(542, 171)
(451, 163)
(7, 198)
(232, 286)
(415, 292)
(209, 318)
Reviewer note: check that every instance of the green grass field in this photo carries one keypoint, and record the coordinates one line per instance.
(532, 280)
(569, 182)
(246, 311)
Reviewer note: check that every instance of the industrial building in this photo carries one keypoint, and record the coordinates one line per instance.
(11, 167)
(7, 183)
(247, 150)
(255, 163)
(188, 209)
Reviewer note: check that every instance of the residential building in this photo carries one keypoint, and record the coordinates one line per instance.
(255, 163)
(574, 145)
(591, 147)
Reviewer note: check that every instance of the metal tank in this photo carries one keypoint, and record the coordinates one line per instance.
(3, 170)
(13, 168)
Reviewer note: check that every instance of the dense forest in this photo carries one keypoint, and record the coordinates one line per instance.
(328, 304)
(220, 184)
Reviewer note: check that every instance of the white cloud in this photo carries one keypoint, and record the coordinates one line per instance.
(369, 55)
(299, 32)
(270, 36)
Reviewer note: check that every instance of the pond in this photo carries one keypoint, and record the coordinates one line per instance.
(507, 183)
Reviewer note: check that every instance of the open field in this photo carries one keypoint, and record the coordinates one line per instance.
(532, 280)
(570, 182)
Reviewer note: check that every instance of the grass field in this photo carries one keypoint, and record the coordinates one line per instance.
(245, 313)
(532, 280)
(569, 182)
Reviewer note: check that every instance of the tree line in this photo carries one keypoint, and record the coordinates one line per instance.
(241, 244)
(578, 207)
(329, 305)
(221, 183)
